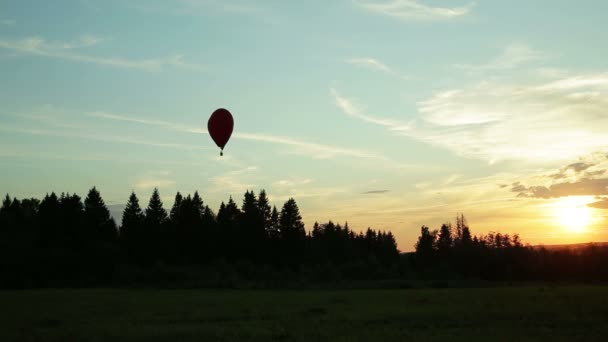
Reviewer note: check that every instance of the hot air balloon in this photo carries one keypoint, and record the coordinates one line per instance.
(220, 127)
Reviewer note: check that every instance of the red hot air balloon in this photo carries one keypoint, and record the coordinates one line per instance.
(220, 127)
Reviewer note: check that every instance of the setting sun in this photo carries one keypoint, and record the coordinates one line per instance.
(573, 214)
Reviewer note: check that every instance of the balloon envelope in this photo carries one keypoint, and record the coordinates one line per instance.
(220, 127)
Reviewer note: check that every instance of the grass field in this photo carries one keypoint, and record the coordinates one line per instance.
(489, 314)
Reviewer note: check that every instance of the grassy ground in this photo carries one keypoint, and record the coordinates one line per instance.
(490, 314)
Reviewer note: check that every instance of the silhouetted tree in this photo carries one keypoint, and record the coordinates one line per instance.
(425, 247)
(292, 233)
(265, 210)
(228, 221)
(444, 239)
(155, 219)
(131, 230)
(252, 231)
(291, 226)
(97, 217)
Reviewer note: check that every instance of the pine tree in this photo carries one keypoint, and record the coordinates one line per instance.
(198, 207)
(290, 222)
(252, 221)
(5, 217)
(265, 210)
(132, 229)
(97, 217)
(156, 215)
(444, 240)
(152, 240)
(49, 221)
(175, 210)
(273, 228)
(227, 222)
(425, 246)
(132, 217)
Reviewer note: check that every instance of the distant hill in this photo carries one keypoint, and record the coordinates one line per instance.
(572, 246)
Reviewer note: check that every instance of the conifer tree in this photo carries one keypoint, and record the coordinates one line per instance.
(273, 228)
(97, 217)
(175, 210)
(132, 216)
(290, 222)
(265, 210)
(156, 215)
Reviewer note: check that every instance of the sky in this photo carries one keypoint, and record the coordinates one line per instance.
(388, 114)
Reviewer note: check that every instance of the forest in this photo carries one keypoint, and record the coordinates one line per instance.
(64, 241)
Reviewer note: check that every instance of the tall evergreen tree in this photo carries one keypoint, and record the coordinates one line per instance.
(444, 240)
(97, 217)
(175, 210)
(155, 220)
(132, 217)
(290, 222)
(228, 221)
(156, 215)
(425, 246)
(265, 210)
(132, 229)
(273, 228)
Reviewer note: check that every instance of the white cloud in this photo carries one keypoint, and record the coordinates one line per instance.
(414, 10)
(65, 50)
(513, 55)
(196, 7)
(224, 5)
(376, 65)
(370, 63)
(154, 183)
(312, 149)
(96, 137)
(351, 108)
(550, 121)
(291, 182)
(234, 182)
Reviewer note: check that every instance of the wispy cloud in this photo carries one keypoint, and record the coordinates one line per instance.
(312, 149)
(291, 182)
(582, 187)
(601, 203)
(494, 121)
(370, 63)
(235, 181)
(67, 50)
(145, 121)
(349, 107)
(583, 178)
(315, 150)
(414, 10)
(154, 183)
(196, 7)
(548, 121)
(96, 137)
(8, 22)
(375, 192)
(224, 5)
(513, 55)
(375, 65)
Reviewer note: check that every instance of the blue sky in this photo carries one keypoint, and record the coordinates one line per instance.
(390, 114)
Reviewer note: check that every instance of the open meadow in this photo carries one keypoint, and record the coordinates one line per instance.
(562, 313)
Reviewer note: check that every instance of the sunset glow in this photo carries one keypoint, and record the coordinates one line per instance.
(573, 214)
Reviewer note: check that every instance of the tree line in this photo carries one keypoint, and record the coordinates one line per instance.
(452, 251)
(65, 241)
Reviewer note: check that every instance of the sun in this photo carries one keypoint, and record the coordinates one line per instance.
(573, 214)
